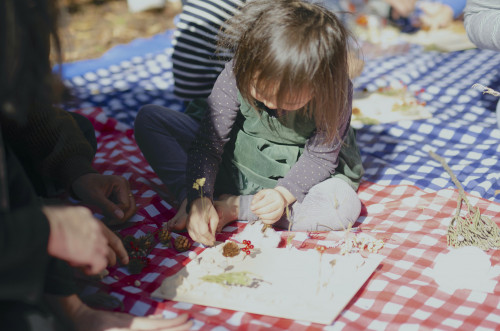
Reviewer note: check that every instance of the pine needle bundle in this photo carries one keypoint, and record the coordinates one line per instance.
(471, 229)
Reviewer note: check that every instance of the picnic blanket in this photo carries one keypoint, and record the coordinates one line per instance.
(408, 198)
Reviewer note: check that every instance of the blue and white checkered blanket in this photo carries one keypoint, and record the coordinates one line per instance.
(463, 128)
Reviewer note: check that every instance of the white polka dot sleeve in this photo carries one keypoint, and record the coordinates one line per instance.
(205, 153)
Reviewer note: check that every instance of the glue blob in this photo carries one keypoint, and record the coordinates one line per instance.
(462, 268)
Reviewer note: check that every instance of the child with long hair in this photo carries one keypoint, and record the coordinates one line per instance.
(275, 143)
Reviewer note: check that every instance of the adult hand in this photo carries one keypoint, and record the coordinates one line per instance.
(402, 8)
(77, 238)
(268, 205)
(110, 193)
(436, 15)
(116, 249)
(202, 221)
(179, 221)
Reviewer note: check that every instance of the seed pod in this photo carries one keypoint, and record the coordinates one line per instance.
(182, 244)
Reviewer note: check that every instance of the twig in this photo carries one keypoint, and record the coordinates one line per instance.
(472, 229)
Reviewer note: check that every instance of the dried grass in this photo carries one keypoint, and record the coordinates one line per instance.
(91, 27)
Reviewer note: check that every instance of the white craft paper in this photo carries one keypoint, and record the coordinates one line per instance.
(290, 283)
(382, 108)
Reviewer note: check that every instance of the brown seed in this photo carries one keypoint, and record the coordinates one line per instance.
(230, 249)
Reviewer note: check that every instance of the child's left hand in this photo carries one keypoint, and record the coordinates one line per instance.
(268, 205)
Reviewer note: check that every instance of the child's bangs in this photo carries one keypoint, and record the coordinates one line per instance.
(285, 89)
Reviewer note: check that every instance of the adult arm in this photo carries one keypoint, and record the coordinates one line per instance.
(51, 141)
(482, 23)
(23, 246)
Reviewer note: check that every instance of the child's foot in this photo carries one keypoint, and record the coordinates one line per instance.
(227, 207)
(179, 221)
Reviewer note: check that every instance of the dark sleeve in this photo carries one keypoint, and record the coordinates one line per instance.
(26, 269)
(205, 153)
(51, 141)
(319, 160)
(24, 235)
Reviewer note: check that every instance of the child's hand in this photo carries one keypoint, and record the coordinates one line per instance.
(268, 205)
(402, 8)
(436, 15)
(179, 221)
(202, 221)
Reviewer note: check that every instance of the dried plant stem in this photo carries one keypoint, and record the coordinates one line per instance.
(290, 237)
(472, 229)
(486, 89)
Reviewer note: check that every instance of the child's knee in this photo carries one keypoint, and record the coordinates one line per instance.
(143, 120)
(150, 120)
(330, 205)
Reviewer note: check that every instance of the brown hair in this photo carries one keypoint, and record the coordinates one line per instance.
(27, 30)
(297, 46)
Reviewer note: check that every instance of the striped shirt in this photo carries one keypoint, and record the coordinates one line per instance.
(196, 61)
(196, 64)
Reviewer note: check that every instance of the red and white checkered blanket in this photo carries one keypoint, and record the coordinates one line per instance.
(401, 293)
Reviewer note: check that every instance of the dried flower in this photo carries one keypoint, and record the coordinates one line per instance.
(290, 236)
(321, 249)
(138, 249)
(198, 185)
(364, 246)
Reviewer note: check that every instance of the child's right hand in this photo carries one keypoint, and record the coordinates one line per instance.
(202, 221)
(268, 205)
